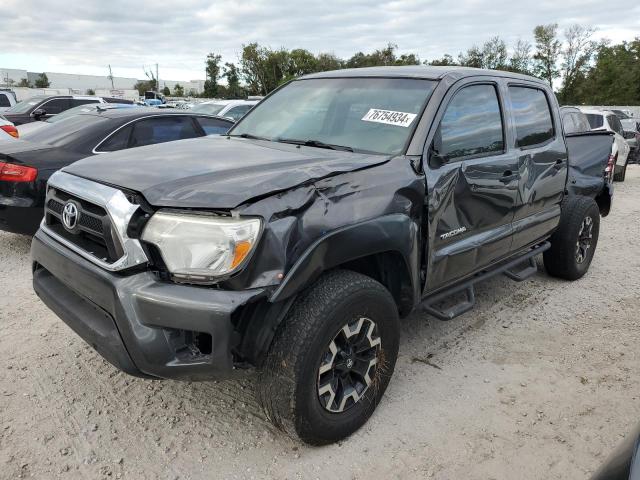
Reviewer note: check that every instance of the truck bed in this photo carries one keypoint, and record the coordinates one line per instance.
(588, 156)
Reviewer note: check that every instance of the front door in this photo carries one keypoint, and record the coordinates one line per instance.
(472, 180)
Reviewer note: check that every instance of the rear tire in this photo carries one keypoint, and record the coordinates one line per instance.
(621, 175)
(312, 371)
(574, 243)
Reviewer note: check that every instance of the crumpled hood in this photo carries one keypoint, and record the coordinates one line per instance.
(216, 172)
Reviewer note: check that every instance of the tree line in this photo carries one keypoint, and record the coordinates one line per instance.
(585, 71)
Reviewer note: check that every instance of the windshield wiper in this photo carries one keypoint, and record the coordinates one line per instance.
(314, 143)
(251, 137)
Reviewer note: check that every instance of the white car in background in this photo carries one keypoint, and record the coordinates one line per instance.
(7, 100)
(7, 127)
(233, 109)
(607, 120)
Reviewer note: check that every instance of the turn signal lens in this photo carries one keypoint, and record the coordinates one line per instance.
(241, 251)
(17, 173)
(11, 130)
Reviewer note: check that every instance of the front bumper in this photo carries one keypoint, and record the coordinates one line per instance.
(141, 325)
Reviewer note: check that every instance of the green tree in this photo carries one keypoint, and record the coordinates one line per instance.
(328, 61)
(615, 77)
(232, 75)
(212, 70)
(165, 91)
(301, 62)
(382, 57)
(548, 50)
(494, 54)
(144, 86)
(178, 90)
(23, 83)
(263, 69)
(42, 81)
(520, 61)
(446, 61)
(473, 57)
(91, 91)
(576, 60)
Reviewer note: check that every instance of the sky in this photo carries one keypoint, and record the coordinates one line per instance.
(83, 37)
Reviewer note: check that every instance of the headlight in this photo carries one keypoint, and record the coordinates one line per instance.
(201, 248)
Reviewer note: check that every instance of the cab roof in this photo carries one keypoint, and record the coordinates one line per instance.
(421, 71)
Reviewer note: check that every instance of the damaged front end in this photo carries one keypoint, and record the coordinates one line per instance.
(147, 321)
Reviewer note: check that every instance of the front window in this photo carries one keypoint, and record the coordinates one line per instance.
(361, 114)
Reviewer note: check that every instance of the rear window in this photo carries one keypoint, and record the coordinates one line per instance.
(208, 108)
(4, 100)
(532, 116)
(595, 120)
(214, 126)
(61, 133)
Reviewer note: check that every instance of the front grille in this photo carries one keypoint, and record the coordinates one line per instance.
(93, 232)
(89, 221)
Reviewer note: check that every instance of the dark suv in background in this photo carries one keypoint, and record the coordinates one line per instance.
(42, 107)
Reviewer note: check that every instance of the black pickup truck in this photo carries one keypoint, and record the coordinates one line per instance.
(295, 243)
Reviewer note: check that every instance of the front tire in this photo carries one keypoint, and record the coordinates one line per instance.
(332, 358)
(574, 243)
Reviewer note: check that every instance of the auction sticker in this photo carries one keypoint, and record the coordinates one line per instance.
(401, 119)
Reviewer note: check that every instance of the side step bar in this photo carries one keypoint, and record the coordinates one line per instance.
(469, 301)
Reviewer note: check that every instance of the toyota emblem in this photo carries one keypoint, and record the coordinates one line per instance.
(70, 215)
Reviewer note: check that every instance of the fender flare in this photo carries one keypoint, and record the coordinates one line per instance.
(393, 232)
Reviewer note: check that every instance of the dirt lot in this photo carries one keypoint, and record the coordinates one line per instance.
(541, 379)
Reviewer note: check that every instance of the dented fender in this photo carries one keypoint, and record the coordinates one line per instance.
(391, 233)
(323, 224)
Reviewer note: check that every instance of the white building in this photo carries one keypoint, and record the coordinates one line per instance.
(79, 84)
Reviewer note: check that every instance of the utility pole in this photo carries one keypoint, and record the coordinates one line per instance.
(111, 78)
(157, 79)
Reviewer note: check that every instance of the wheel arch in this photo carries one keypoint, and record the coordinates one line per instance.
(374, 248)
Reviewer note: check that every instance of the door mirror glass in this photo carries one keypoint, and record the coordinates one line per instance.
(38, 112)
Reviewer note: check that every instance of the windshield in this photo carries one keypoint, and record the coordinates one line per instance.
(62, 133)
(26, 105)
(360, 114)
(208, 108)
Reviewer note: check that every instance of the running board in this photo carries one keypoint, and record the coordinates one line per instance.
(467, 287)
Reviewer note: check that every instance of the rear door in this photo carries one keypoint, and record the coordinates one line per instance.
(162, 129)
(472, 180)
(542, 162)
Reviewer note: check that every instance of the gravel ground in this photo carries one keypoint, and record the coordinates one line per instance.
(540, 379)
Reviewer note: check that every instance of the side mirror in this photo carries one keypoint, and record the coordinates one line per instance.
(38, 112)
